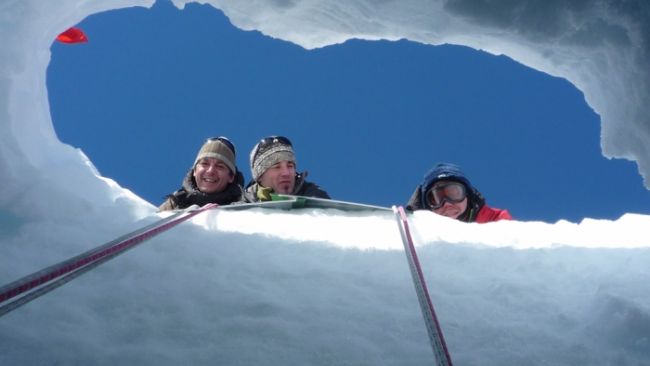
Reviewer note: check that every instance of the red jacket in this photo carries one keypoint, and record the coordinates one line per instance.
(489, 214)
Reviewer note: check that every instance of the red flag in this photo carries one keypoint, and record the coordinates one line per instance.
(72, 35)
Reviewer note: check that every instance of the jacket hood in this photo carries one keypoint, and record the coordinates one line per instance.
(444, 171)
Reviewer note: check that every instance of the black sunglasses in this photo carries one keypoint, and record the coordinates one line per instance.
(270, 140)
(274, 140)
(225, 141)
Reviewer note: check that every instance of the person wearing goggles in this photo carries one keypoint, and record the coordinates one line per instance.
(273, 168)
(213, 178)
(446, 191)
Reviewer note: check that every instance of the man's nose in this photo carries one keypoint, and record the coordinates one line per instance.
(285, 171)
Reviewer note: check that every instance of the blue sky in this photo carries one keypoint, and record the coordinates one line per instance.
(367, 118)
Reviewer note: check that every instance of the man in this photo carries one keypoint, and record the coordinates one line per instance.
(273, 170)
(213, 178)
(446, 191)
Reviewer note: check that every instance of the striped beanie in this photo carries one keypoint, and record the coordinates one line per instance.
(265, 156)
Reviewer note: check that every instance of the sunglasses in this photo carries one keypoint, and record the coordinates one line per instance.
(270, 140)
(274, 140)
(452, 192)
(225, 141)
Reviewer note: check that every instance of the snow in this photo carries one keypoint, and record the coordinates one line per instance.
(266, 287)
(320, 287)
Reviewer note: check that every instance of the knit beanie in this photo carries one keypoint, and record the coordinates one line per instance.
(265, 156)
(214, 148)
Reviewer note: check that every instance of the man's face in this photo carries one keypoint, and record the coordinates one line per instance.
(280, 177)
(212, 175)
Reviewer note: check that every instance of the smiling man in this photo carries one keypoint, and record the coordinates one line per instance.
(213, 178)
(273, 168)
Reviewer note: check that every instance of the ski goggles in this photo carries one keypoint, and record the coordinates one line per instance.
(452, 192)
(225, 141)
(270, 140)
